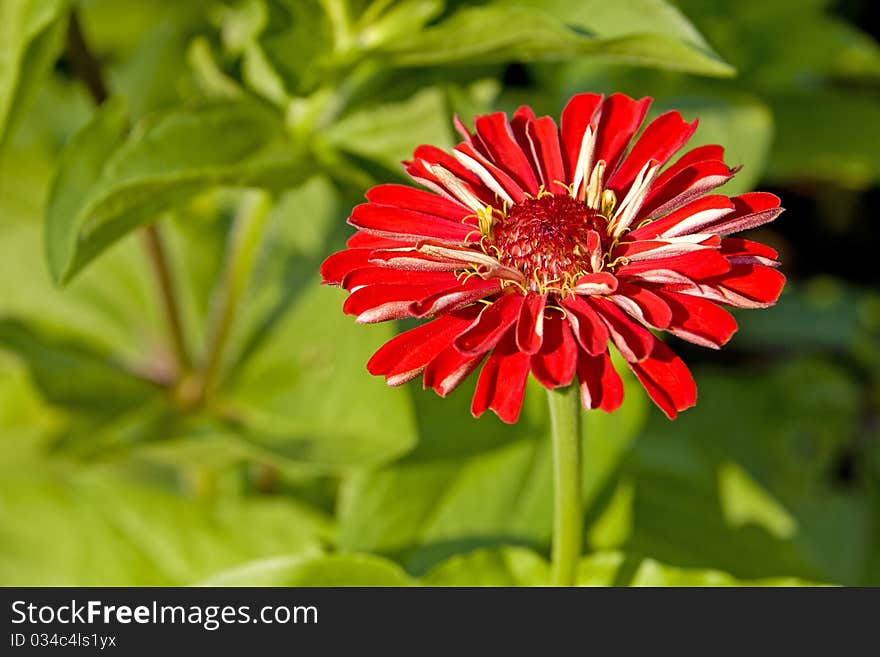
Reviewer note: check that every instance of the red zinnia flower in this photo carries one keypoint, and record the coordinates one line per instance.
(538, 246)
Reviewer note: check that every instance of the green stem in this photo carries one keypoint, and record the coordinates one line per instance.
(88, 70)
(565, 420)
(241, 252)
(158, 256)
(340, 18)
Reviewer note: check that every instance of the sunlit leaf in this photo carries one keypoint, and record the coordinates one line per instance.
(110, 182)
(647, 32)
(314, 570)
(30, 37)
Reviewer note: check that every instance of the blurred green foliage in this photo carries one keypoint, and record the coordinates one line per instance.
(297, 467)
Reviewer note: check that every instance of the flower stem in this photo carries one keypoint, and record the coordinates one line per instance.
(244, 240)
(565, 420)
(88, 70)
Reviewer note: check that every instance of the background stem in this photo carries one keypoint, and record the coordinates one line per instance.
(88, 69)
(244, 241)
(158, 256)
(565, 420)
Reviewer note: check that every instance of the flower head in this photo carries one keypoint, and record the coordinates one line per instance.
(537, 247)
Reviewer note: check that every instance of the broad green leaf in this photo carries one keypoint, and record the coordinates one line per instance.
(110, 309)
(599, 569)
(782, 429)
(71, 374)
(298, 40)
(818, 44)
(30, 38)
(110, 183)
(423, 119)
(305, 393)
(116, 526)
(314, 570)
(476, 483)
(507, 566)
(652, 573)
(745, 501)
(647, 33)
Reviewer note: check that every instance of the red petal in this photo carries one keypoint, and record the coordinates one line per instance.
(660, 140)
(499, 178)
(621, 118)
(502, 382)
(396, 223)
(695, 217)
(589, 329)
(337, 266)
(455, 297)
(490, 326)
(755, 282)
(667, 380)
(449, 369)
(404, 356)
(600, 384)
(598, 283)
(419, 200)
(693, 156)
(632, 340)
(692, 182)
(544, 139)
(378, 303)
(417, 170)
(577, 115)
(362, 240)
(741, 251)
(412, 260)
(497, 136)
(519, 124)
(555, 364)
(750, 210)
(642, 304)
(386, 276)
(530, 326)
(696, 265)
(699, 320)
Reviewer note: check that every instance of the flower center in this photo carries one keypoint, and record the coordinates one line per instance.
(552, 240)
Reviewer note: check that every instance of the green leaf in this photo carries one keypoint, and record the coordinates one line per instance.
(314, 570)
(510, 566)
(109, 184)
(422, 119)
(298, 41)
(305, 393)
(116, 533)
(750, 492)
(646, 33)
(30, 39)
(507, 566)
(72, 374)
(652, 573)
(476, 483)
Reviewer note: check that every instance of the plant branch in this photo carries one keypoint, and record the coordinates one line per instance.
(88, 70)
